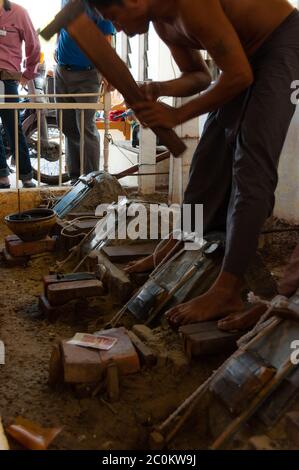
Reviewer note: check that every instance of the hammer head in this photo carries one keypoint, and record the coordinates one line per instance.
(66, 16)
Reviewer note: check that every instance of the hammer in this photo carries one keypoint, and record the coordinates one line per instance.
(93, 43)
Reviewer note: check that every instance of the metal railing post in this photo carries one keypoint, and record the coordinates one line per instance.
(107, 107)
(17, 150)
(38, 146)
(40, 107)
(82, 142)
(60, 145)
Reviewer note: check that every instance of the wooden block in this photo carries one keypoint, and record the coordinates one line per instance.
(203, 339)
(17, 248)
(12, 261)
(112, 382)
(123, 352)
(81, 365)
(61, 293)
(292, 427)
(146, 355)
(56, 279)
(126, 253)
(114, 279)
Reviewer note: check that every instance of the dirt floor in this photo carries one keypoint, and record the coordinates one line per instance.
(146, 398)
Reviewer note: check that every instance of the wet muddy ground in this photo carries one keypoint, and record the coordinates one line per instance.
(146, 398)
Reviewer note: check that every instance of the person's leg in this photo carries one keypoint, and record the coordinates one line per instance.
(8, 119)
(63, 85)
(259, 143)
(88, 82)
(4, 170)
(209, 184)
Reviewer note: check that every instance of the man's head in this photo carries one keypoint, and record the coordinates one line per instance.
(130, 16)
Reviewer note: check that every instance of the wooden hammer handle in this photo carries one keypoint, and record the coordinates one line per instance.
(95, 46)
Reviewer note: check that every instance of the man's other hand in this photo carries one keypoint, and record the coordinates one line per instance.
(155, 114)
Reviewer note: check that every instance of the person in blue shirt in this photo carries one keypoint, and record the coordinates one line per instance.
(75, 74)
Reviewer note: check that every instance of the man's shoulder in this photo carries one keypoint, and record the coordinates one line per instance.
(18, 9)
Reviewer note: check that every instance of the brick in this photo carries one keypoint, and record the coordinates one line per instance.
(112, 382)
(86, 365)
(203, 339)
(12, 261)
(61, 293)
(123, 352)
(126, 253)
(147, 356)
(292, 428)
(81, 365)
(17, 248)
(261, 443)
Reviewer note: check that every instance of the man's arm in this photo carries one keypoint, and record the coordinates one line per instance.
(32, 46)
(207, 21)
(195, 76)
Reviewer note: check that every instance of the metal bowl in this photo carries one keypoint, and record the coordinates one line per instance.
(32, 225)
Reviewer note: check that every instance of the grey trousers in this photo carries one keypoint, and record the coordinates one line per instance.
(234, 170)
(76, 82)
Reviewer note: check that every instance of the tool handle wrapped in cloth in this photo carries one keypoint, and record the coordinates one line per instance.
(96, 47)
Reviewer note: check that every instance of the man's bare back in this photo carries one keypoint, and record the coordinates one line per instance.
(253, 20)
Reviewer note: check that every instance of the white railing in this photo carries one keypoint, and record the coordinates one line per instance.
(40, 104)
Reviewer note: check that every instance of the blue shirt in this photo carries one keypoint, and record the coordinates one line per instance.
(68, 53)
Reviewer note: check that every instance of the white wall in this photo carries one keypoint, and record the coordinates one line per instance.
(287, 197)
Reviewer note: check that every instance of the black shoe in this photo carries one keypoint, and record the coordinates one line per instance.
(29, 184)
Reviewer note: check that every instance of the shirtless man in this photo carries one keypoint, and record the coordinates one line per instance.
(255, 44)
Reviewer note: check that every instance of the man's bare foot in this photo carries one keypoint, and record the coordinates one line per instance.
(242, 321)
(222, 299)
